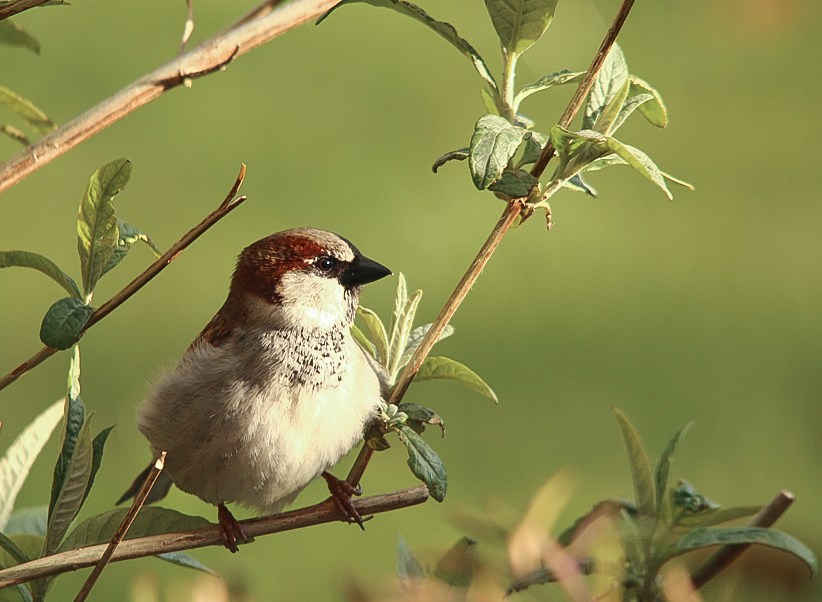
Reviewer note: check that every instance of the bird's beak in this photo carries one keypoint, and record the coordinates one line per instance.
(362, 271)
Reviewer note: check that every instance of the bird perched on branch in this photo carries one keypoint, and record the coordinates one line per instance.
(274, 391)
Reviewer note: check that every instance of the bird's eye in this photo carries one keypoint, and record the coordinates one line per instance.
(326, 263)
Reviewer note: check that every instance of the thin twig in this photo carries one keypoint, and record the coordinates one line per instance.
(135, 285)
(120, 534)
(324, 512)
(188, 28)
(209, 56)
(585, 85)
(512, 210)
(18, 6)
(719, 560)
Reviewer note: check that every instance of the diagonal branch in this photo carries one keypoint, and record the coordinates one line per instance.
(135, 285)
(209, 56)
(324, 512)
(18, 6)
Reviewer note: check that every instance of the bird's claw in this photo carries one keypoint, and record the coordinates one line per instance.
(341, 492)
(230, 529)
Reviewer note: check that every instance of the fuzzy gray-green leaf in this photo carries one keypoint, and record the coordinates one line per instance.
(424, 462)
(713, 536)
(127, 236)
(26, 259)
(20, 455)
(520, 23)
(376, 330)
(25, 109)
(408, 567)
(514, 183)
(609, 113)
(360, 337)
(444, 368)
(628, 107)
(655, 111)
(74, 416)
(610, 79)
(456, 567)
(14, 36)
(548, 81)
(663, 468)
(493, 144)
(97, 231)
(32, 521)
(640, 467)
(184, 560)
(64, 322)
(415, 338)
(577, 184)
(446, 30)
(460, 154)
(639, 161)
(400, 332)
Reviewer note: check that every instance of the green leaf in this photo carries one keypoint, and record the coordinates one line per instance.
(416, 337)
(14, 36)
(534, 143)
(400, 298)
(443, 368)
(97, 230)
(655, 112)
(63, 323)
(400, 332)
(26, 259)
(456, 567)
(628, 107)
(376, 330)
(610, 79)
(424, 462)
(609, 113)
(714, 536)
(97, 447)
(488, 102)
(151, 520)
(408, 567)
(461, 154)
(640, 466)
(709, 517)
(514, 183)
(73, 491)
(184, 560)
(363, 341)
(21, 454)
(639, 161)
(12, 550)
(127, 236)
(446, 30)
(520, 23)
(493, 144)
(32, 520)
(577, 184)
(603, 508)
(663, 468)
(684, 497)
(548, 81)
(15, 133)
(25, 109)
(418, 414)
(576, 147)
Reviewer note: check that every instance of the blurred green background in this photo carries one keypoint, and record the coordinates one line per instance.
(705, 308)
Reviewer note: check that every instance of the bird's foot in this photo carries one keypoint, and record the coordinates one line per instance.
(230, 528)
(341, 492)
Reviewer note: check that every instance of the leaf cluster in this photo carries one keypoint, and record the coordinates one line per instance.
(392, 349)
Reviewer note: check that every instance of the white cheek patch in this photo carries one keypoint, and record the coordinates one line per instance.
(312, 301)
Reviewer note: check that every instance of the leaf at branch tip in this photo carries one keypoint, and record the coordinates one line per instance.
(456, 567)
(402, 323)
(655, 112)
(461, 154)
(363, 341)
(610, 79)
(15, 133)
(701, 538)
(514, 184)
(64, 322)
(73, 491)
(26, 259)
(577, 184)
(127, 236)
(520, 23)
(548, 81)
(400, 298)
(640, 467)
(97, 231)
(376, 330)
(421, 416)
(14, 36)
(415, 338)
(151, 520)
(663, 468)
(444, 368)
(639, 161)
(446, 30)
(25, 109)
(20, 455)
(424, 462)
(184, 560)
(493, 144)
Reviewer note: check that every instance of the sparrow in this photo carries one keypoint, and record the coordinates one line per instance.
(275, 390)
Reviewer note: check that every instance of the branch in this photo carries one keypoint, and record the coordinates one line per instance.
(512, 211)
(18, 6)
(719, 560)
(208, 57)
(135, 285)
(324, 512)
(585, 84)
